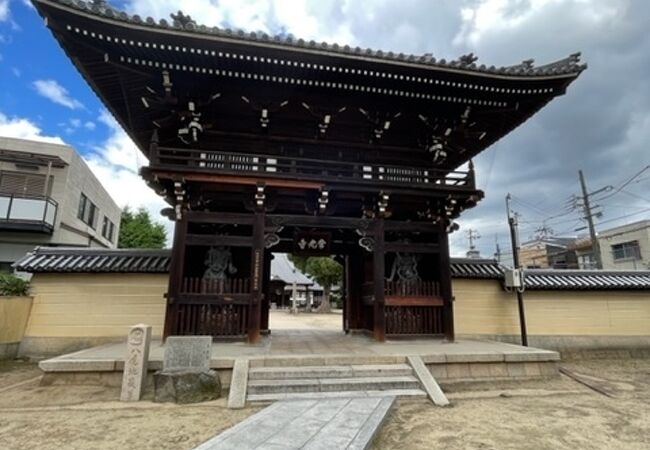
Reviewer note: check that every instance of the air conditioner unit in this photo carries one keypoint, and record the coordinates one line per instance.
(514, 278)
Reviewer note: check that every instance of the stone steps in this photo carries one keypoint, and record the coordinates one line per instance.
(341, 394)
(272, 383)
(368, 370)
(332, 384)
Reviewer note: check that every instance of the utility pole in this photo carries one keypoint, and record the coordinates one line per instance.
(497, 253)
(514, 238)
(472, 236)
(590, 221)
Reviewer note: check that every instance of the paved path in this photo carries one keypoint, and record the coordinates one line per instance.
(346, 423)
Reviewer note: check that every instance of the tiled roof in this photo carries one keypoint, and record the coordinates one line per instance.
(475, 268)
(539, 279)
(568, 66)
(90, 260)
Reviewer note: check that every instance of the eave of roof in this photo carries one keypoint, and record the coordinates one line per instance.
(569, 67)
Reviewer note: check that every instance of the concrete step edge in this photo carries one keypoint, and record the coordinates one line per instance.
(345, 394)
(332, 381)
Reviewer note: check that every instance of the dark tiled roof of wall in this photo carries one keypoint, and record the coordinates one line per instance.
(90, 260)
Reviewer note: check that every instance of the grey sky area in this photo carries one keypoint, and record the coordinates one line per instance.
(602, 125)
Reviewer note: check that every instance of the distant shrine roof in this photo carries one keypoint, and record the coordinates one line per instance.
(181, 23)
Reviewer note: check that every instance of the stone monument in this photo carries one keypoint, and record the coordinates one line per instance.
(186, 376)
(135, 363)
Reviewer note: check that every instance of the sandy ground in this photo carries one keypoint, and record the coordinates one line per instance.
(551, 414)
(283, 320)
(91, 417)
(555, 414)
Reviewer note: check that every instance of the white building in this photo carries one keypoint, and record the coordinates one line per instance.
(626, 247)
(49, 196)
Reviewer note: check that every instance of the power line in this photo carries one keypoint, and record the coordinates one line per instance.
(620, 188)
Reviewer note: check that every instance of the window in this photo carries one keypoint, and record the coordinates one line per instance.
(22, 183)
(626, 250)
(87, 212)
(108, 229)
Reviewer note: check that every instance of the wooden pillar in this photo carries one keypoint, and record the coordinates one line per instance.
(445, 285)
(176, 270)
(266, 305)
(345, 293)
(353, 300)
(379, 272)
(257, 275)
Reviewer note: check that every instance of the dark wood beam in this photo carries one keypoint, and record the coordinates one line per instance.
(216, 240)
(412, 247)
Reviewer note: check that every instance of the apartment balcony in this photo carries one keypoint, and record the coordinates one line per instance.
(33, 213)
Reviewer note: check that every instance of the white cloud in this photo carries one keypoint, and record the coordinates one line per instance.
(300, 18)
(22, 128)
(115, 163)
(4, 10)
(89, 125)
(53, 91)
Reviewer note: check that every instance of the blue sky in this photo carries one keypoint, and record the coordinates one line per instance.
(602, 124)
(29, 55)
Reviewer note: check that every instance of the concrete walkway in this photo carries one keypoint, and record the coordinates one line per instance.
(346, 423)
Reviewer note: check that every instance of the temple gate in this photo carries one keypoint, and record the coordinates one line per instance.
(257, 142)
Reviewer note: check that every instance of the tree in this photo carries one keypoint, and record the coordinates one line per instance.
(324, 270)
(138, 231)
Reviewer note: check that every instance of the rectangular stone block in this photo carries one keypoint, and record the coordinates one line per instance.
(438, 371)
(532, 369)
(187, 353)
(136, 362)
(498, 370)
(458, 371)
(475, 357)
(548, 369)
(516, 370)
(479, 370)
(76, 365)
(434, 358)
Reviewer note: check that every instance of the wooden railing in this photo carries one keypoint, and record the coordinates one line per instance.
(212, 320)
(196, 285)
(417, 288)
(413, 320)
(308, 168)
(218, 308)
(413, 307)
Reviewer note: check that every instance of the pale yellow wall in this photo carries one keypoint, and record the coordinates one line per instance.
(106, 305)
(482, 307)
(14, 312)
(95, 305)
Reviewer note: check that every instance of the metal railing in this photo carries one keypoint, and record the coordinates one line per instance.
(309, 168)
(18, 209)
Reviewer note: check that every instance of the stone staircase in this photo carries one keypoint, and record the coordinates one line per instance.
(267, 384)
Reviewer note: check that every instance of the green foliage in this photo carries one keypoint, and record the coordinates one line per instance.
(10, 284)
(138, 231)
(323, 269)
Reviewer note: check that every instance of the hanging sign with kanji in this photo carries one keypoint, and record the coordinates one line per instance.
(312, 243)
